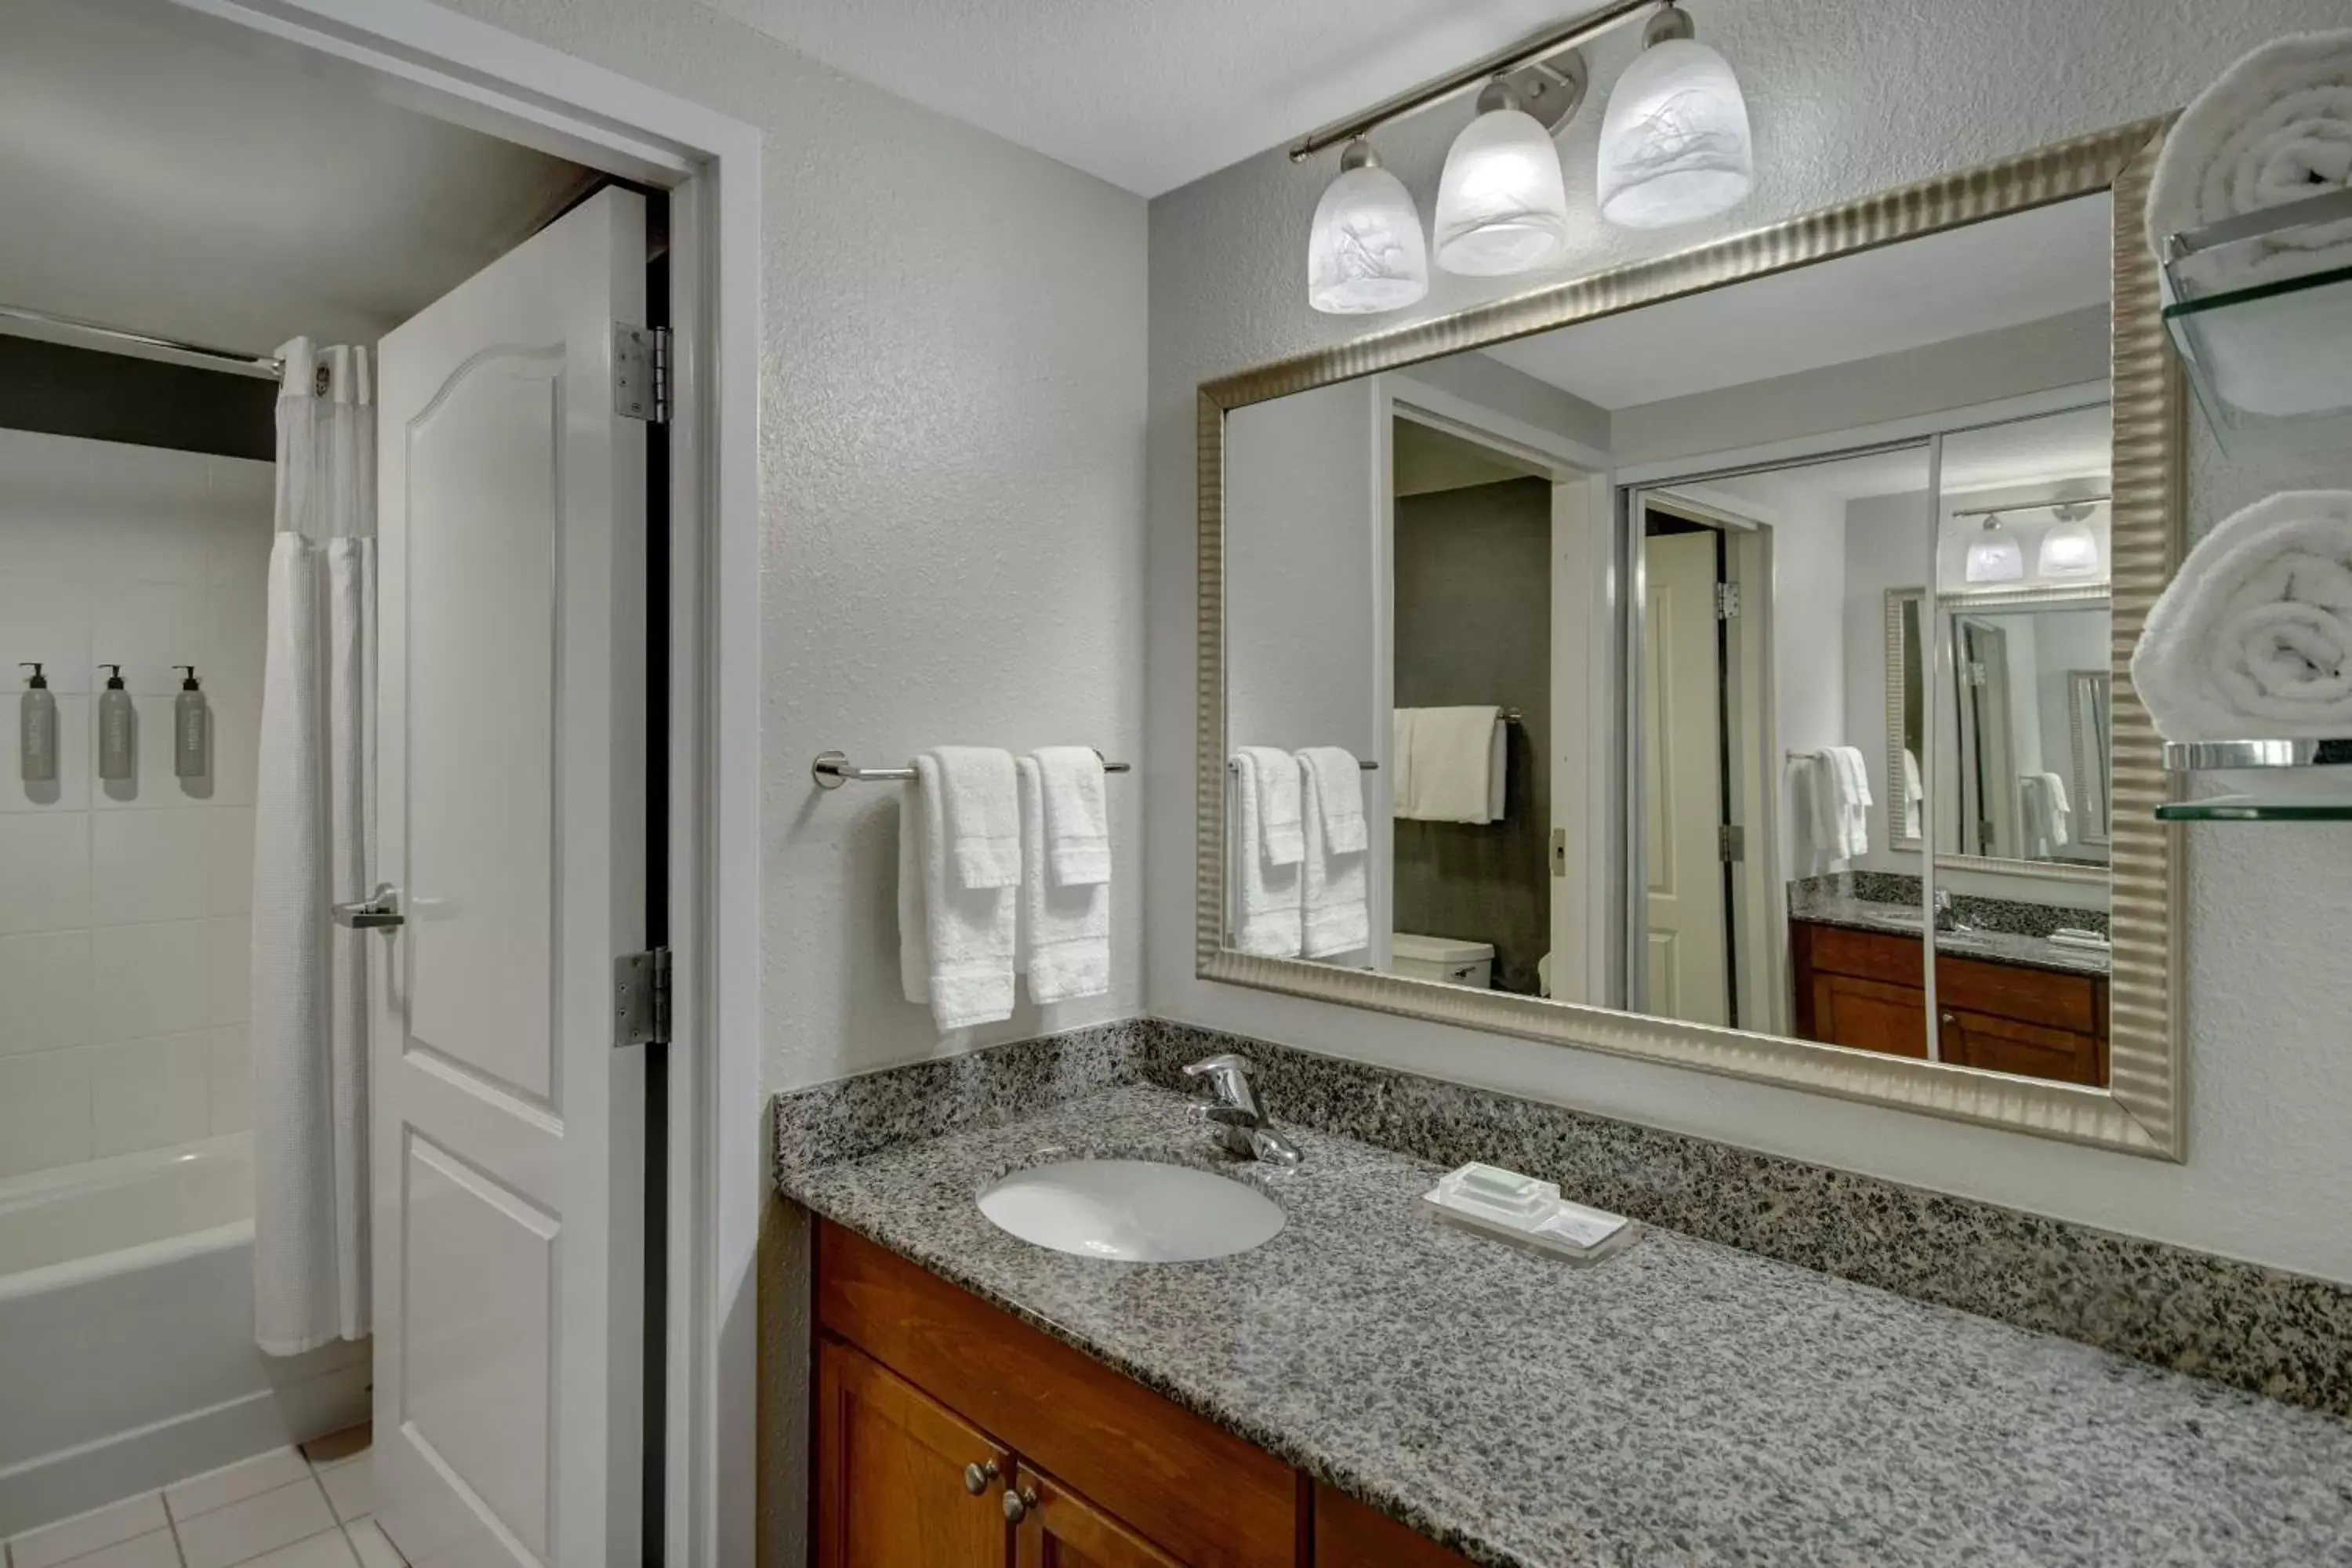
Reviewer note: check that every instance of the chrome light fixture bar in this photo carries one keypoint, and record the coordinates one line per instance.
(1548, 89)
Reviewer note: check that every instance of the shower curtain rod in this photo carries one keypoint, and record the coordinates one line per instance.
(272, 367)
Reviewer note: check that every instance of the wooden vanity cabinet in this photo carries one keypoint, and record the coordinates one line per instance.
(917, 1379)
(1864, 989)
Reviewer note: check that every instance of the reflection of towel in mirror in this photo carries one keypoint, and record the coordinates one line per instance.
(1455, 763)
(1830, 801)
(2252, 639)
(1266, 913)
(1336, 916)
(2042, 806)
(1913, 794)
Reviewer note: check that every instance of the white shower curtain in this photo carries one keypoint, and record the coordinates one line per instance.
(313, 846)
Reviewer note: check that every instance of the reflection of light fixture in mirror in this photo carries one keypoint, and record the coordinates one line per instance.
(1501, 206)
(2069, 549)
(1675, 146)
(1993, 555)
(1365, 253)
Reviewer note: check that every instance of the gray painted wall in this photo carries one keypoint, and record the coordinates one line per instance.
(1848, 96)
(1473, 592)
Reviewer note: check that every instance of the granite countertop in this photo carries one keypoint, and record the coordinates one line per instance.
(1987, 946)
(1678, 1404)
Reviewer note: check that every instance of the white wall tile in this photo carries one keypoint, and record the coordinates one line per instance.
(149, 1094)
(243, 526)
(228, 968)
(236, 749)
(146, 508)
(235, 635)
(148, 627)
(69, 791)
(228, 1076)
(228, 874)
(44, 872)
(149, 866)
(44, 991)
(44, 1110)
(44, 616)
(147, 980)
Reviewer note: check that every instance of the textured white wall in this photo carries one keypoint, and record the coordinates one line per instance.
(951, 411)
(1848, 96)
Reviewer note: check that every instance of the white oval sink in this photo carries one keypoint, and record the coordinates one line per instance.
(1137, 1210)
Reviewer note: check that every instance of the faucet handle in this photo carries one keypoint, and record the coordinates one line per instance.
(1228, 1076)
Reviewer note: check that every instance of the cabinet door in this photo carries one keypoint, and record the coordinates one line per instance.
(1062, 1529)
(1870, 1015)
(2004, 1045)
(890, 1475)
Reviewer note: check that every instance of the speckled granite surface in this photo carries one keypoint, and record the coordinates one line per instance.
(2280, 1335)
(2018, 915)
(1984, 944)
(1681, 1404)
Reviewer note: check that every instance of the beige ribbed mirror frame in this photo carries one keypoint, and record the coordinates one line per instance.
(2141, 1109)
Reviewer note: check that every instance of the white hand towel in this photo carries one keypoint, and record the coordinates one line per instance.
(2252, 639)
(1076, 838)
(1913, 792)
(2276, 128)
(982, 814)
(1851, 786)
(1336, 917)
(1335, 786)
(955, 944)
(1401, 761)
(1458, 764)
(1266, 895)
(1065, 937)
(1279, 800)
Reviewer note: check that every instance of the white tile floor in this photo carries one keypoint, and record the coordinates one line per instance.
(295, 1508)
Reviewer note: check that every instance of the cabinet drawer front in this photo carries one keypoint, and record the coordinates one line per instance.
(2004, 1045)
(1871, 955)
(2030, 995)
(1133, 1453)
(1350, 1535)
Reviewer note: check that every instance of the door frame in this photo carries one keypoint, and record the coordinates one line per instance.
(451, 67)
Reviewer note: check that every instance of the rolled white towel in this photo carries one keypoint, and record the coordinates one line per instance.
(2253, 637)
(2275, 128)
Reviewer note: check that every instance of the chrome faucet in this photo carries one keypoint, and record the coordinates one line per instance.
(1231, 1109)
(1948, 918)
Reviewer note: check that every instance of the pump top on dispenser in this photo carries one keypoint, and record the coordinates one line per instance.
(37, 729)
(118, 727)
(192, 729)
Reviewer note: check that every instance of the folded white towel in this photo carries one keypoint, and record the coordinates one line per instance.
(2276, 127)
(1279, 800)
(1077, 843)
(1913, 792)
(2252, 639)
(982, 814)
(1849, 779)
(1401, 761)
(1266, 893)
(2275, 130)
(1335, 786)
(1335, 914)
(955, 944)
(2042, 801)
(1065, 938)
(1458, 766)
(1829, 804)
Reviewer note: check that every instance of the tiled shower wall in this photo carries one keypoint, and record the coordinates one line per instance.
(123, 905)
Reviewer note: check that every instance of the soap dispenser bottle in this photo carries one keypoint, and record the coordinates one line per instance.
(37, 729)
(192, 727)
(118, 727)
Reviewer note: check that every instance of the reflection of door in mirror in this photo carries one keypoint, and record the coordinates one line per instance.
(1686, 939)
(1987, 774)
(2088, 713)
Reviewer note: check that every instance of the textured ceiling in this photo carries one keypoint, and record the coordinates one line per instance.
(1148, 97)
(158, 183)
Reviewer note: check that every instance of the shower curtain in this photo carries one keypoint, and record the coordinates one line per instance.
(313, 846)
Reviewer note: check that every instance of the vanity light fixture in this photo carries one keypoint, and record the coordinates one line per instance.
(1501, 206)
(1675, 146)
(1993, 555)
(2069, 549)
(1365, 253)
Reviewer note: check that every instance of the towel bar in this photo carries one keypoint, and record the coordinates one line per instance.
(1369, 767)
(831, 770)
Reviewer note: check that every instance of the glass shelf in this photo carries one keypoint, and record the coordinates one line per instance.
(2279, 781)
(2260, 309)
(2244, 808)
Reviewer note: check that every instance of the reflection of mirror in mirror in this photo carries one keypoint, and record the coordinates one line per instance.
(1706, 798)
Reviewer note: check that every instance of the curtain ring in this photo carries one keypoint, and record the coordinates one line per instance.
(321, 379)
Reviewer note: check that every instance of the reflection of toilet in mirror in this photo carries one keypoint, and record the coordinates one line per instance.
(1453, 960)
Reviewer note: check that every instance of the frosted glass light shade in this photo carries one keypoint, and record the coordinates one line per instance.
(2068, 550)
(1501, 206)
(1994, 557)
(1365, 253)
(1674, 146)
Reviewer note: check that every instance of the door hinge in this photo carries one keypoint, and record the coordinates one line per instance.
(641, 373)
(1732, 840)
(1727, 601)
(641, 998)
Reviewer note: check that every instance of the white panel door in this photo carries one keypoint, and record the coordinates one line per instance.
(1682, 744)
(508, 1139)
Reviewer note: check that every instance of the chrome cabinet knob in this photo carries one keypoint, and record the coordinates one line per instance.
(976, 1478)
(1018, 1502)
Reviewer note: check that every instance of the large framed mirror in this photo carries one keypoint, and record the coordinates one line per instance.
(1724, 659)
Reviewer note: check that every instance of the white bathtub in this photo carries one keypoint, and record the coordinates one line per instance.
(126, 1334)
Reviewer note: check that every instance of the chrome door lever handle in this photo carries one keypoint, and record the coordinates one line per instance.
(381, 912)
